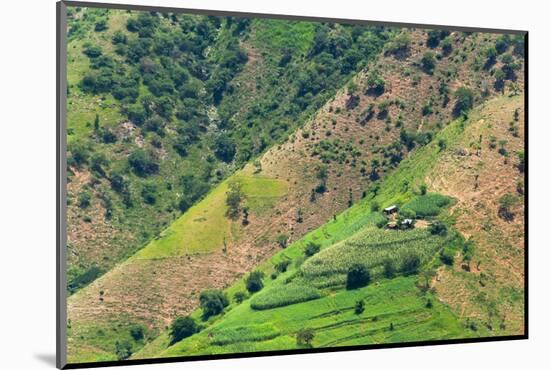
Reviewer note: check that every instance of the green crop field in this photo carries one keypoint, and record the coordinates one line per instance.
(427, 205)
(371, 247)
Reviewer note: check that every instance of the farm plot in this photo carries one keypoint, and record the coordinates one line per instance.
(428, 205)
(284, 295)
(371, 247)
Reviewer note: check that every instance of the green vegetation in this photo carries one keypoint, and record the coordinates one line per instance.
(395, 309)
(182, 327)
(162, 100)
(283, 295)
(427, 205)
(371, 247)
(169, 116)
(254, 282)
(358, 276)
(212, 302)
(253, 333)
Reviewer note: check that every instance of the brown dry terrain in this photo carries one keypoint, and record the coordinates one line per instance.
(153, 292)
(491, 293)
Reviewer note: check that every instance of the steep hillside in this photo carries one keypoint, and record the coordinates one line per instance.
(401, 307)
(484, 172)
(164, 107)
(341, 154)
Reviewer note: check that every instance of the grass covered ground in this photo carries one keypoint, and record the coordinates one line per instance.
(205, 226)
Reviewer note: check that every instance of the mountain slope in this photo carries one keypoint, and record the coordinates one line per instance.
(164, 107)
(337, 157)
(395, 310)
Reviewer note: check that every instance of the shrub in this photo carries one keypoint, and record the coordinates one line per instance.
(423, 189)
(118, 182)
(239, 297)
(149, 193)
(399, 45)
(411, 264)
(224, 148)
(506, 202)
(437, 228)
(447, 256)
(182, 327)
(464, 100)
(119, 37)
(142, 163)
(212, 302)
(84, 199)
(137, 332)
(311, 249)
(428, 62)
(100, 26)
(234, 198)
(282, 239)
(92, 51)
(123, 349)
(254, 281)
(79, 154)
(389, 268)
(282, 266)
(304, 337)
(375, 83)
(442, 144)
(446, 46)
(358, 276)
(359, 307)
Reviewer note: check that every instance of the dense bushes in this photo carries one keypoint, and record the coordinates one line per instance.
(358, 276)
(464, 100)
(142, 163)
(182, 327)
(254, 281)
(212, 302)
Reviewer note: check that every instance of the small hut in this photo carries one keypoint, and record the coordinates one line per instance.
(390, 210)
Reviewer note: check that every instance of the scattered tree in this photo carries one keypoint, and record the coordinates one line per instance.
(84, 199)
(235, 197)
(389, 268)
(506, 202)
(182, 327)
(137, 332)
(359, 307)
(437, 228)
(464, 100)
(212, 302)
(411, 264)
(311, 249)
(358, 276)
(304, 337)
(428, 62)
(254, 281)
(123, 349)
(239, 297)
